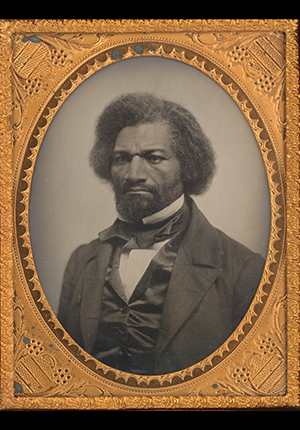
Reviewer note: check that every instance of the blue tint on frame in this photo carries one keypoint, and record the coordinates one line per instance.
(116, 55)
(138, 49)
(18, 387)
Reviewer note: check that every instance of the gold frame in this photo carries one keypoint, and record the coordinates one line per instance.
(256, 62)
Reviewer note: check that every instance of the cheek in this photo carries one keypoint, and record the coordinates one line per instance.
(173, 174)
(116, 175)
(171, 179)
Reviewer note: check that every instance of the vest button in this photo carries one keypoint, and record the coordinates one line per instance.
(124, 309)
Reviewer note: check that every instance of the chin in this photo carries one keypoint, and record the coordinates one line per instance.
(135, 207)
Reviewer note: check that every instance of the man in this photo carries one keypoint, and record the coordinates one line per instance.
(160, 289)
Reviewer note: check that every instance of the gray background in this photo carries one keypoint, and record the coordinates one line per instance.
(69, 205)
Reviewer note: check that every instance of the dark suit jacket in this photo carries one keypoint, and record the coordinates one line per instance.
(213, 282)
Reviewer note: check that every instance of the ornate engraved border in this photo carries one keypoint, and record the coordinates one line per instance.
(125, 49)
(266, 373)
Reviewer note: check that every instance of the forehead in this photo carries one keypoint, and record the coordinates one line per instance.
(144, 137)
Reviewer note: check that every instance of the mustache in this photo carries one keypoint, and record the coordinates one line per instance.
(128, 186)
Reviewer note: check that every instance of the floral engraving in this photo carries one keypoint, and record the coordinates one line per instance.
(262, 58)
(37, 371)
(262, 371)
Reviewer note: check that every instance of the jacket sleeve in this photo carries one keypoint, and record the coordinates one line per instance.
(247, 284)
(68, 287)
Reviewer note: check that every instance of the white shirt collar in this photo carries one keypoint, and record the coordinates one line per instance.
(166, 212)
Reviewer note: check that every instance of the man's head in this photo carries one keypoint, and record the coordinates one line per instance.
(152, 151)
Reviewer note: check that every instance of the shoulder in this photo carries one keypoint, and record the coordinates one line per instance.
(238, 261)
(86, 251)
(207, 245)
(83, 255)
(239, 268)
(235, 251)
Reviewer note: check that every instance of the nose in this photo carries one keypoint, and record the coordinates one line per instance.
(136, 170)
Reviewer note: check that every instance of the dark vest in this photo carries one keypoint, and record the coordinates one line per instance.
(128, 330)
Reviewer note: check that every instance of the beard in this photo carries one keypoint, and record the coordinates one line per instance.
(134, 208)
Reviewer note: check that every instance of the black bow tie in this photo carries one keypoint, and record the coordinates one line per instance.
(143, 236)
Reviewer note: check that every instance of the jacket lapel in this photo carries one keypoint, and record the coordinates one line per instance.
(194, 272)
(92, 295)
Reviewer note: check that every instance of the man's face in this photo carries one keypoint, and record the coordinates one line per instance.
(145, 171)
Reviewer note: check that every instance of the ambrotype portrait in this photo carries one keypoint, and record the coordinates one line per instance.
(161, 287)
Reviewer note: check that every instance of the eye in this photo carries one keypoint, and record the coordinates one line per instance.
(154, 159)
(121, 158)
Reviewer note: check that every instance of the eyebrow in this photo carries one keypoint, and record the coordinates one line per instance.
(145, 152)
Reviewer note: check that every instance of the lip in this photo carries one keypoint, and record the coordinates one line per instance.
(137, 191)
